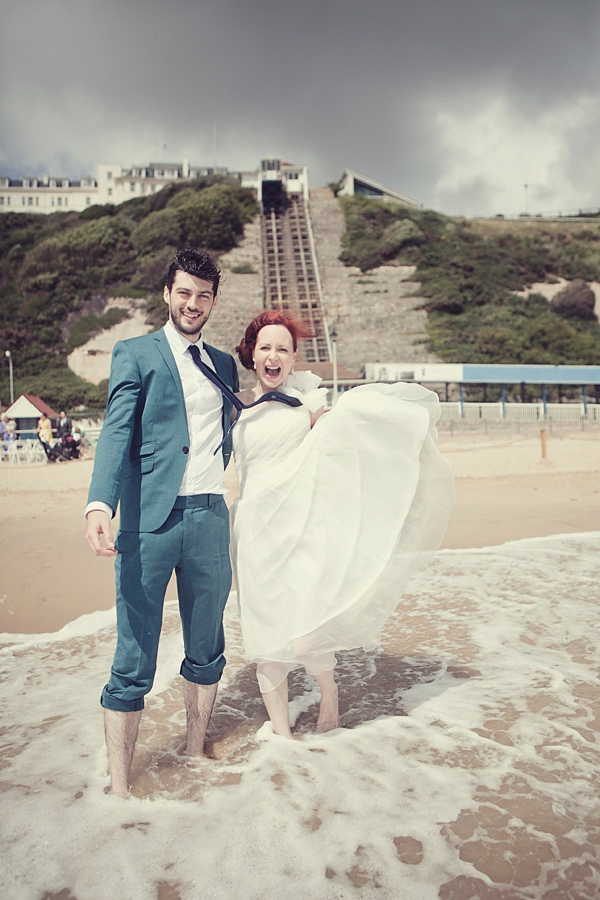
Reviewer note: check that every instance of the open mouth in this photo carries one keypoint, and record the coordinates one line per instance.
(272, 371)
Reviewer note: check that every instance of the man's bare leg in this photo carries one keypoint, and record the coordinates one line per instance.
(276, 702)
(120, 730)
(199, 701)
(329, 716)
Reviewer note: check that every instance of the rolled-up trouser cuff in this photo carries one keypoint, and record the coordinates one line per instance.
(208, 674)
(108, 701)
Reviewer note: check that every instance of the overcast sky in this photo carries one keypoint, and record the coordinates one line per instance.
(455, 103)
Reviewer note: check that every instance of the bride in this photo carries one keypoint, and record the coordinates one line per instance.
(335, 513)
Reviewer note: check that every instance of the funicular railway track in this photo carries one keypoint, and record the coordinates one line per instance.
(291, 279)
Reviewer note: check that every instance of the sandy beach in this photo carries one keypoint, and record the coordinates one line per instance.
(466, 766)
(504, 491)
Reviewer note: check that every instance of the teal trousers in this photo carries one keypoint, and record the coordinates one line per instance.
(193, 542)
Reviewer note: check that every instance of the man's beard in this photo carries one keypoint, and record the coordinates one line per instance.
(194, 327)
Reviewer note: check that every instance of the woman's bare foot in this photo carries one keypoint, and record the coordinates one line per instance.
(329, 716)
(276, 702)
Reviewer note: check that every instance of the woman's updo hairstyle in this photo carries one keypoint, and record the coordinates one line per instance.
(298, 329)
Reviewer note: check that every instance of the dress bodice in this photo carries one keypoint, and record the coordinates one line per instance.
(265, 435)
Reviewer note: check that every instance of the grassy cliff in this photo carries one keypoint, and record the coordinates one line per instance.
(57, 271)
(469, 270)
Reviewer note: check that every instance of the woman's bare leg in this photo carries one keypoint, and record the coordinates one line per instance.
(329, 716)
(276, 702)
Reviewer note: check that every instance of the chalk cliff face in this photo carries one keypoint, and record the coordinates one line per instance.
(92, 360)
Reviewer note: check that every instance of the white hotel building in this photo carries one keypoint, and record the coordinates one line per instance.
(113, 184)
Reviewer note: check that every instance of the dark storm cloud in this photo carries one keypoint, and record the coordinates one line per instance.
(332, 84)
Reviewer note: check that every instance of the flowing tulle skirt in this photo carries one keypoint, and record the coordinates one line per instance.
(328, 531)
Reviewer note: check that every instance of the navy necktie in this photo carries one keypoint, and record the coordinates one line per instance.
(235, 401)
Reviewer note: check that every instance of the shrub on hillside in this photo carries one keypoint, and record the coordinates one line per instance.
(98, 211)
(213, 219)
(159, 229)
(398, 235)
(575, 301)
(151, 270)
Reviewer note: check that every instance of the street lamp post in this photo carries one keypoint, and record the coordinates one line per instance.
(333, 336)
(8, 355)
(526, 186)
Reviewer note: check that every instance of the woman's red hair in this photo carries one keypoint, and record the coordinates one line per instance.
(298, 329)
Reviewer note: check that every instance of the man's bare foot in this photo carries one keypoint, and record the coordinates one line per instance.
(199, 700)
(329, 717)
(192, 752)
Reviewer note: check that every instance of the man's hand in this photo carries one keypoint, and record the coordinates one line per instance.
(98, 527)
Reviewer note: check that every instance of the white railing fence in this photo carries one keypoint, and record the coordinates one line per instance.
(510, 412)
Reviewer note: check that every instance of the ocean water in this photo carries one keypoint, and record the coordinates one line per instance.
(467, 764)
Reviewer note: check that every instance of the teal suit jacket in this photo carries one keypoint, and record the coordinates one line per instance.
(143, 446)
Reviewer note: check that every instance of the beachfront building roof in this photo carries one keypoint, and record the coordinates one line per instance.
(482, 373)
(28, 406)
(352, 184)
(464, 374)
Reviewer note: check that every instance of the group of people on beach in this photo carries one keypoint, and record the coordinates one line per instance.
(336, 509)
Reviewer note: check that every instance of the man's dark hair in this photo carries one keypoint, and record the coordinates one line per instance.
(194, 262)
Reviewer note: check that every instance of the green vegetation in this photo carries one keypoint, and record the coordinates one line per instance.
(469, 271)
(87, 326)
(244, 269)
(57, 271)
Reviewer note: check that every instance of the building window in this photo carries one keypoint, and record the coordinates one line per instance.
(66, 201)
(109, 174)
(1, 201)
(110, 192)
(37, 201)
(23, 199)
(8, 201)
(88, 200)
(53, 182)
(52, 201)
(26, 182)
(59, 201)
(132, 186)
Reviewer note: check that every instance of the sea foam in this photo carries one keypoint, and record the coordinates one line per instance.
(466, 765)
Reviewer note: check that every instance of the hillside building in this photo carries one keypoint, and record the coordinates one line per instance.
(352, 184)
(113, 184)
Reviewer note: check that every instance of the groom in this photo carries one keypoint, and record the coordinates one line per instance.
(156, 458)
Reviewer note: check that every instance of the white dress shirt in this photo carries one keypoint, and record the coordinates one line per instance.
(204, 470)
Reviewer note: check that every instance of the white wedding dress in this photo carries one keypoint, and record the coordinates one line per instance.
(332, 521)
